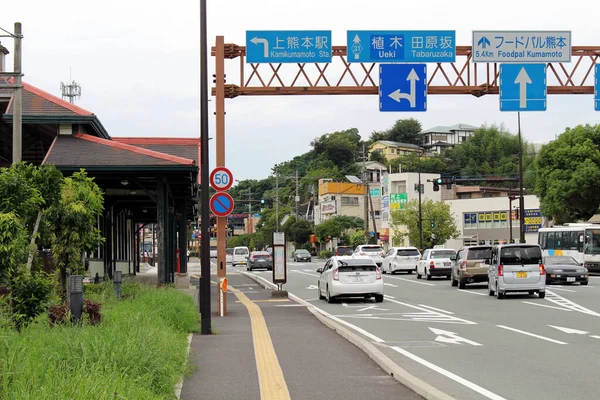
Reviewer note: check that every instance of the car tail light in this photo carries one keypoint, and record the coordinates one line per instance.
(542, 269)
(463, 264)
(378, 273)
(362, 253)
(336, 275)
(431, 264)
(500, 270)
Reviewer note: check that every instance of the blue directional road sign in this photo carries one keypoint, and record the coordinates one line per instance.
(288, 46)
(597, 87)
(402, 87)
(401, 46)
(522, 87)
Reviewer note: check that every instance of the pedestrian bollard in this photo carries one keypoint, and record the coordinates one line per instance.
(117, 281)
(76, 296)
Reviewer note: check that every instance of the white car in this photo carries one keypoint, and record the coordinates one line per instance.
(516, 268)
(350, 276)
(436, 262)
(229, 255)
(373, 251)
(401, 259)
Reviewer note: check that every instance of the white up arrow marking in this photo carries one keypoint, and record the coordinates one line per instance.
(265, 42)
(523, 80)
(451, 337)
(569, 330)
(311, 287)
(411, 95)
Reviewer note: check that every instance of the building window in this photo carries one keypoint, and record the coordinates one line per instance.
(488, 195)
(463, 139)
(349, 201)
(464, 195)
(377, 214)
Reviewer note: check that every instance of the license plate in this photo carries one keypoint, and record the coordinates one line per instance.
(521, 274)
(447, 264)
(357, 279)
(571, 279)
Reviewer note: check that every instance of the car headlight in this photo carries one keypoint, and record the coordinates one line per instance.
(557, 270)
(582, 271)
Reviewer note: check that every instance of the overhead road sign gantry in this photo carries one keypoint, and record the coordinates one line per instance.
(401, 46)
(402, 87)
(523, 87)
(221, 178)
(597, 87)
(521, 46)
(221, 204)
(288, 47)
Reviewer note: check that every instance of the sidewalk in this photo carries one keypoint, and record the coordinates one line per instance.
(267, 348)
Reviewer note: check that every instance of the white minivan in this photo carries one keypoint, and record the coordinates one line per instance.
(516, 268)
(240, 255)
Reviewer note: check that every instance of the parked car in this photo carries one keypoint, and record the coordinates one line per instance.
(213, 251)
(565, 269)
(401, 259)
(343, 251)
(240, 255)
(229, 255)
(350, 277)
(302, 255)
(259, 259)
(516, 268)
(435, 262)
(469, 266)
(372, 250)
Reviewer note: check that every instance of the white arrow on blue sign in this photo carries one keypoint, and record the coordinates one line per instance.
(402, 87)
(523, 87)
(597, 87)
(288, 46)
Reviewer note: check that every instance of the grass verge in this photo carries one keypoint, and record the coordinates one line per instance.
(139, 351)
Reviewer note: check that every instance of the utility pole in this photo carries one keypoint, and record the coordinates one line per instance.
(312, 190)
(366, 194)
(297, 196)
(420, 208)
(276, 200)
(250, 210)
(521, 198)
(510, 226)
(17, 98)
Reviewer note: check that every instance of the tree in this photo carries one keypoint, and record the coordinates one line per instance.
(347, 222)
(74, 218)
(404, 131)
(435, 164)
(297, 230)
(330, 228)
(13, 245)
(438, 223)
(357, 238)
(568, 172)
(377, 156)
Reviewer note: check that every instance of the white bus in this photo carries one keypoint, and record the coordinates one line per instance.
(580, 241)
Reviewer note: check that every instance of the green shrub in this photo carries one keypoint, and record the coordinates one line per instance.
(325, 254)
(29, 296)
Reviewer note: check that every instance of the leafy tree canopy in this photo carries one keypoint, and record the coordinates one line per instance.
(404, 131)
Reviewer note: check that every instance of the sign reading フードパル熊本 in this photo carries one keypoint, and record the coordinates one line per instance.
(401, 46)
(521, 46)
(288, 46)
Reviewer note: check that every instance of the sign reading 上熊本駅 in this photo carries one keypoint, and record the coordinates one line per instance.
(521, 46)
(288, 46)
(401, 46)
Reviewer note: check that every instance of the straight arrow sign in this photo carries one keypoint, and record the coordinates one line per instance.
(523, 80)
(569, 330)
(451, 337)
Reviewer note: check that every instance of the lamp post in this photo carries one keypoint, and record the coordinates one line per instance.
(521, 198)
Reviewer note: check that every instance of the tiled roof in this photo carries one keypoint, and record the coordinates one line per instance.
(398, 144)
(39, 102)
(86, 150)
(450, 129)
(181, 147)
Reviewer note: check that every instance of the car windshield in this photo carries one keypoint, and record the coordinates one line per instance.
(229, 251)
(407, 252)
(302, 252)
(343, 250)
(521, 255)
(241, 251)
(442, 253)
(565, 260)
(371, 249)
(482, 253)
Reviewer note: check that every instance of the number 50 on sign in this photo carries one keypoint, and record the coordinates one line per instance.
(221, 178)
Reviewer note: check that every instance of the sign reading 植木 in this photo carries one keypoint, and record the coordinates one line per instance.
(221, 178)
(221, 204)
(402, 87)
(523, 87)
(288, 46)
(521, 46)
(401, 46)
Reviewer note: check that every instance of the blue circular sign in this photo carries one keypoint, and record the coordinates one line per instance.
(221, 204)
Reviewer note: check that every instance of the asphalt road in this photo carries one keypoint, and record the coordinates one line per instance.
(471, 345)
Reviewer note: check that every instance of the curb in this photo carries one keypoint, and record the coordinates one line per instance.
(179, 385)
(417, 385)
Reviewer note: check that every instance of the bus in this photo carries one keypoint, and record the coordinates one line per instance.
(580, 241)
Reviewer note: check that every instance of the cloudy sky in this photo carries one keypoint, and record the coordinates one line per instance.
(138, 65)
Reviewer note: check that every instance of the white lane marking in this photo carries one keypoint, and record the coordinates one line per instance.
(427, 313)
(564, 290)
(312, 287)
(308, 270)
(569, 330)
(595, 336)
(448, 374)
(289, 305)
(531, 334)
(323, 312)
(305, 273)
(389, 297)
(436, 309)
(451, 337)
(410, 280)
(389, 284)
(373, 308)
(544, 305)
(472, 292)
(566, 303)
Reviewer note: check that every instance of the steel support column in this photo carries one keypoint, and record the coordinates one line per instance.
(182, 210)
(162, 214)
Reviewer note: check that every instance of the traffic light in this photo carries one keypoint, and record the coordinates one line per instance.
(433, 224)
(262, 202)
(436, 184)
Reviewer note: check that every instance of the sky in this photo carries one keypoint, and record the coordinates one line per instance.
(138, 64)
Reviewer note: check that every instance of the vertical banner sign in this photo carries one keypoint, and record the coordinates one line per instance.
(279, 258)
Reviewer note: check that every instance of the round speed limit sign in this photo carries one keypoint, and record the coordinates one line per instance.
(221, 178)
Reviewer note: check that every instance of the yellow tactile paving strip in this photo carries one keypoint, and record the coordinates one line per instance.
(270, 376)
